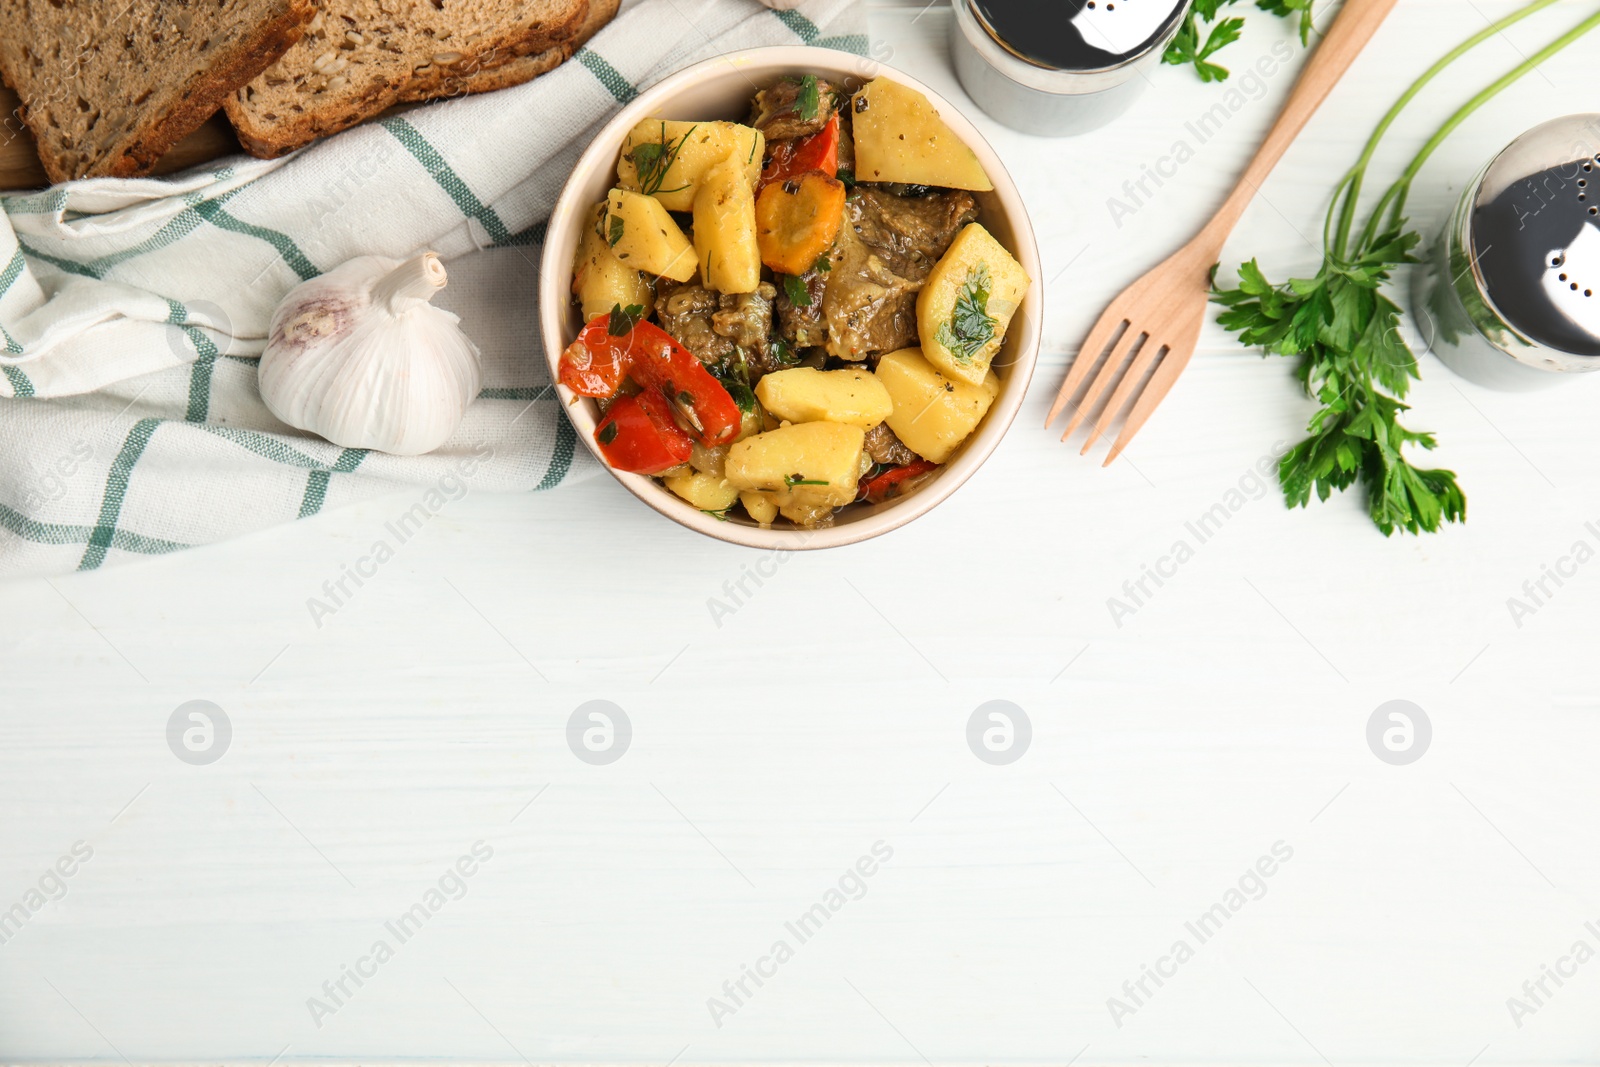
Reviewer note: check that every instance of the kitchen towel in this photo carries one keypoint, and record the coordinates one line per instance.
(132, 311)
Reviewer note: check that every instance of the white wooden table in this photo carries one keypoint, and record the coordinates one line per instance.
(773, 748)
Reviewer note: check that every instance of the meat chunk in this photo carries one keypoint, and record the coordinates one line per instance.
(688, 312)
(794, 107)
(910, 233)
(801, 324)
(885, 448)
(883, 256)
(717, 326)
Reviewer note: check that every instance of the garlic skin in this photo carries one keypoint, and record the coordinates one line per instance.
(359, 356)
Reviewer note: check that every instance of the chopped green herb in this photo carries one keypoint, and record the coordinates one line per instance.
(686, 399)
(720, 516)
(742, 394)
(847, 175)
(782, 352)
(608, 433)
(624, 319)
(653, 159)
(809, 102)
(752, 157)
(795, 289)
(794, 479)
(1189, 47)
(616, 230)
(823, 264)
(734, 374)
(971, 327)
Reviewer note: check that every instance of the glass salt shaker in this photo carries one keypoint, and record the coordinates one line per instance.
(1509, 295)
(1060, 68)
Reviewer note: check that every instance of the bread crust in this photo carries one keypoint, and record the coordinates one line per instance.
(138, 151)
(523, 68)
(269, 140)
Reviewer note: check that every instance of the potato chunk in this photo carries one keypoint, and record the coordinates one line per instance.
(760, 506)
(899, 137)
(677, 155)
(804, 394)
(806, 468)
(643, 236)
(967, 303)
(600, 280)
(705, 491)
(725, 230)
(932, 414)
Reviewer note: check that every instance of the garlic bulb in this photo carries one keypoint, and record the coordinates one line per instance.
(359, 356)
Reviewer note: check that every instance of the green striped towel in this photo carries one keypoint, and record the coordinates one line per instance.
(132, 311)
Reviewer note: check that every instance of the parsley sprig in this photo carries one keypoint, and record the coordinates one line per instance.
(970, 327)
(1346, 333)
(1189, 46)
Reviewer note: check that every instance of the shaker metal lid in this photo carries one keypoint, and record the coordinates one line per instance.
(1078, 35)
(1535, 234)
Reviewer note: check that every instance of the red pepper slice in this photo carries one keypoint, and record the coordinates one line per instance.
(661, 365)
(638, 434)
(790, 159)
(595, 363)
(891, 483)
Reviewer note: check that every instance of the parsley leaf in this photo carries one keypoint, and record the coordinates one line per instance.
(793, 480)
(795, 289)
(809, 103)
(1191, 46)
(624, 319)
(1289, 9)
(823, 264)
(971, 327)
(782, 352)
(608, 433)
(734, 374)
(616, 230)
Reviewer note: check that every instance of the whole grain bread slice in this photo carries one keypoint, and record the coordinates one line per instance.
(108, 87)
(359, 57)
(520, 69)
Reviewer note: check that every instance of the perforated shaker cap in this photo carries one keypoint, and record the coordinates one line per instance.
(1078, 35)
(1535, 235)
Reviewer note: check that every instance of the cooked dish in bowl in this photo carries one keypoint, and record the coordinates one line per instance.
(789, 315)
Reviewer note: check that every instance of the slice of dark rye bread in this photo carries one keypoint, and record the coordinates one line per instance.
(107, 86)
(523, 68)
(360, 57)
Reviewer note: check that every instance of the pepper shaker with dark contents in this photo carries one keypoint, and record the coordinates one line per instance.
(1061, 68)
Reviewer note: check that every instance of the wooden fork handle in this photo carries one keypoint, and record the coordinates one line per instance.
(1352, 28)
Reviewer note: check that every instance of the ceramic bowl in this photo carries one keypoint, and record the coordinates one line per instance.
(721, 88)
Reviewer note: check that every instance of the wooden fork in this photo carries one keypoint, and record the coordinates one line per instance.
(1164, 310)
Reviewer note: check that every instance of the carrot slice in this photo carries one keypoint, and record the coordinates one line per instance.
(797, 221)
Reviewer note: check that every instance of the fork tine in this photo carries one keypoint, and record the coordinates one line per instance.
(1102, 381)
(1130, 381)
(1093, 345)
(1160, 385)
